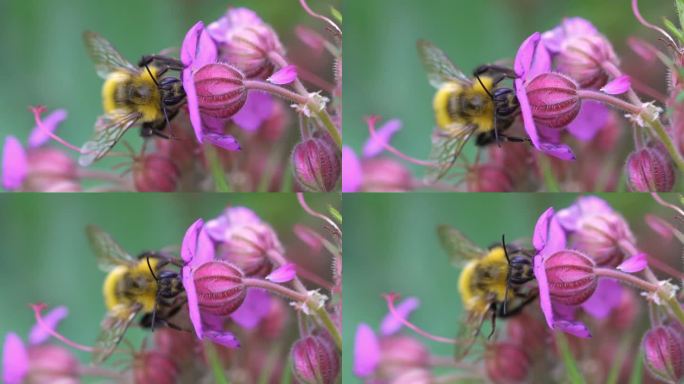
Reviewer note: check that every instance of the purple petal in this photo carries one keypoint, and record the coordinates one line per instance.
(15, 361)
(607, 296)
(541, 229)
(38, 136)
(544, 294)
(584, 206)
(255, 307)
(227, 142)
(193, 306)
(224, 338)
(283, 76)
(526, 111)
(236, 18)
(541, 62)
(636, 263)
(14, 164)
(390, 324)
(592, 117)
(376, 144)
(38, 333)
(283, 274)
(618, 86)
(211, 124)
(198, 48)
(257, 109)
(193, 104)
(189, 244)
(366, 351)
(575, 328)
(352, 175)
(525, 55)
(559, 151)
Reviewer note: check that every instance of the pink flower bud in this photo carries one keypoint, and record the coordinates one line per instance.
(155, 173)
(399, 354)
(154, 367)
(385, 175)
(599, 237)
(650, 169)
(553, 99)
(50, 170)
(220, 89)
(248, 49)
(315, 360)
(582, 58)
(664, 352)
(316, 165)
(52, 364)
(571, 277)
(181, 346)
(219, 287)
(507, 363)
(489, 178)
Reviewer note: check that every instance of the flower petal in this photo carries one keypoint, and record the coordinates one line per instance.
(14, 164)
(376, 143)
(391, 324)
(526, 111)
(618, 86)
(15, 361)
(366, 351)
(38, 333)
(227, 142)
(198, 48)
(38, 136)
(575, 328)
(193, 305)
(257, 109)
(285, 75)
(351, 171)
(541, 62)
(636, 263)
(283, 274)
(544, 293)
(541, 229)
(592, 117)
(607, 296)
(189, 244)
(224, 338)
(193, 104)
(525, 55)
(559, 151)
(255, 307)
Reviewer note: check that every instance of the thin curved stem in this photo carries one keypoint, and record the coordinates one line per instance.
(389, 148)
(307, 209)
(627, 278)
(277, 91)
(275, 288)
(610, 100)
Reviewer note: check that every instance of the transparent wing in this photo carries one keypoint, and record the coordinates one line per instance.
(113, 328)
(468, 332)
(457, 245)
(108, 130)
(107, 59)
(447, 145)
(439, 67)
(109, 253)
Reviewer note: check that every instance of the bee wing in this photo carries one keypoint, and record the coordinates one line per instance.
(107, 59)
(109, 253)
(108, 130)
(113, 328)
(447, 145)
(468, 333)
(439, 67)
(457, 245)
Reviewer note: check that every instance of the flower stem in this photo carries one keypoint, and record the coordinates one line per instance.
(275, 288)
(277, 91)
(325, 119)
(216, 169)
(324, 316)
(627, 278)
(610, 100)
(660, 131)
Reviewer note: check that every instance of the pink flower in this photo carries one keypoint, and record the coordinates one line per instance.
(376, 143)
(14, 164)
(283, 274)
(352, 174)
(366, 351)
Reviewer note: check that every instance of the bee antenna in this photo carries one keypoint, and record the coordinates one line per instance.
(147, 258)
(483, 86)
(155, 80)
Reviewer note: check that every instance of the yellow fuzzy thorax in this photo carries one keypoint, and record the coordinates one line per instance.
(478, 298)
(150, 110)
(484, 121)
(119, 290)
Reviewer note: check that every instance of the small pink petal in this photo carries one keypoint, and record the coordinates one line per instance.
(366, 351)
(541, 229)
(38, 333)
(618, 86)
(636, 263)
(224, 338)
(526, 112)
(592, 117)
(352, 173)
(14, 164)
(376, 143)
(257, 109)
(659, 226)
(607, 296)
(559, 151)
(283, 274)
(38, 136)
(15, 360)
(198, 48)
(575, 328)
(391, 324)
(285, 75)
(227, 142)
(544, 293)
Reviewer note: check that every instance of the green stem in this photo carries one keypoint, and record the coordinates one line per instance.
(325, 119)
(548, 176)
(216, 169)
(667, 141)
(324, 316)
(215, 362)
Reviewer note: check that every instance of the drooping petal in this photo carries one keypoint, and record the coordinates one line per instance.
(575, 328)
(15, 361)
(227, 142)
(376, 143)
(38, 135)
(51, 320)
(636, 263)
(560, 151)
(224, 338)
(283, 274)
(541, 229)
(541, 62)
(193, 306)
(285, 75)
(193, 104)
(14, 164)
(255, 307)
(525, 55)
(390, 324)
(257, 109)
(544, 293)
(606, 297)
(526, 111)
(189, 244)
(366, 351)
(198, 48)
(618, 86)
(352, 175)
(592, 117)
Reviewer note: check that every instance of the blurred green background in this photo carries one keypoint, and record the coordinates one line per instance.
(44, 61)
(391, 246)
(383, 75)
(46, 257)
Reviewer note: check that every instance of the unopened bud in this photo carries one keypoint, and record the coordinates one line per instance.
(155, 173)
(553, 99)
(650, 169)
(52, 364)
(571, 277)
(154, 367)
(50, 170)
(316, 165)
(582, 58)
(219, 286)
(507, 363)
(315, 360)
(489, 178)
(399, 354)
(664, 352)
(220, 89)
(599, 236)
(381, 174)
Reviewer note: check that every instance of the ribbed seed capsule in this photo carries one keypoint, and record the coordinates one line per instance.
(220, 89)
(553, 99)
(664, 352)
(571, 277)
(315, 360)
(219, 287)
(650, 170)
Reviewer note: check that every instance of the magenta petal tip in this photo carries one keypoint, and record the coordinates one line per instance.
(618, 86)
(636, 263)
(285, 75)
(283, 274)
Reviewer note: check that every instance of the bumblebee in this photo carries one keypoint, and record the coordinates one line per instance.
(133, 286)
(465, 107)
(492, 283)
(131, 95)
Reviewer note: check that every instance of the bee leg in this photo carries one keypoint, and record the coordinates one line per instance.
(497, 69)
(515, 139)
(493, 310)
(164, 61)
